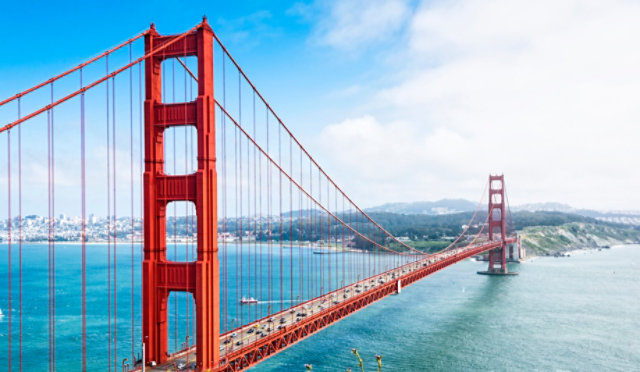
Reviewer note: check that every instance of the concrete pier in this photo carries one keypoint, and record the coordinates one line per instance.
(497, 272)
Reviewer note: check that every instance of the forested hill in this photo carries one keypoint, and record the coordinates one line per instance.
(426, 227)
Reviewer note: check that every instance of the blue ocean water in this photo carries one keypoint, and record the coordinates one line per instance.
(261, 281)
(580, 313)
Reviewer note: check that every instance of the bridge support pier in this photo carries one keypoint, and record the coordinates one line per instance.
(497, 221)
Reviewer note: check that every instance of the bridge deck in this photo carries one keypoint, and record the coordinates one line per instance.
(257, 341)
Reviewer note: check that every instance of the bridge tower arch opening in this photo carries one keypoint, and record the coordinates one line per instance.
(161, 276)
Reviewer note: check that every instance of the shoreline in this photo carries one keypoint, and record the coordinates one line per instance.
(306, 245)
(583, 250)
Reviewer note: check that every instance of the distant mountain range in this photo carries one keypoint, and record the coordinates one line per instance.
(444, 206)
(624, 217)
(450, 206)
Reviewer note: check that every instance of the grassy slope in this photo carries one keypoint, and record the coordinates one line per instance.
(543, 240)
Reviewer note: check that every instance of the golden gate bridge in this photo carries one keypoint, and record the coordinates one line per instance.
(273, 249)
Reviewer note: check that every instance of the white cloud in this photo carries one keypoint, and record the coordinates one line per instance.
(357, 24)
(544, 91)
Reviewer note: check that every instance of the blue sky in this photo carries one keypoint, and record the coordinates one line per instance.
(405, 100)
(271, 39)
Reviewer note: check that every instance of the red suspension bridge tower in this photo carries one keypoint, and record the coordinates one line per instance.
(497, 221)
(161, 276)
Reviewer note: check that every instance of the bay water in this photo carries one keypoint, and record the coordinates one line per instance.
(579, 313)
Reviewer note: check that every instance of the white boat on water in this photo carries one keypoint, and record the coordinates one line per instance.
(248, 300)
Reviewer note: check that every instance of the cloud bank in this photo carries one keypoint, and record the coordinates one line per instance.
(546, 92)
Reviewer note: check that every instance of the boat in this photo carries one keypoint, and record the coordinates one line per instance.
(247, 301)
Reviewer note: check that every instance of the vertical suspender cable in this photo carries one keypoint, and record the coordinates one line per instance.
(49, 235)
(115, 235)
(20, 229)
(83, 235)
(269, 218)
(9, 240)
(255, 212)
(192, 205)
(132, 300)
(237, 218)
(261, 225)
(280, 219)
(311, 277)
(330, 239)
(108, 216)
(350, 258)
(186, 211)
(344, 251)
(338, 234)
(262, 234)
(269, 234)
(141, 169)
(301, 235)
(320, 239)
(249, 245)
(240, 273)
(166, 249)
(223, 128)
(249, 228)
(175, 211)
(53, 233)
(291, 220)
